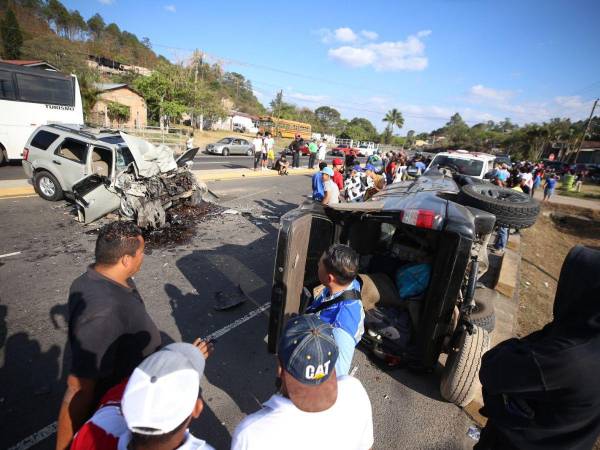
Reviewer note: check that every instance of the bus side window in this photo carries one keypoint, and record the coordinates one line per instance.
(7, 86)
(73, 150)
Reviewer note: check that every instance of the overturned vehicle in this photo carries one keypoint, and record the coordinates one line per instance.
(104, 171)
(423, 248)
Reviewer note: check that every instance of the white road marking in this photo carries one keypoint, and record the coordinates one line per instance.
(6, 255)
(49, 430)
(226, 329)
(35, 438)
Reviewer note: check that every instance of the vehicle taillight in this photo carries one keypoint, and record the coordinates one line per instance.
(421, 218)
(25, 154)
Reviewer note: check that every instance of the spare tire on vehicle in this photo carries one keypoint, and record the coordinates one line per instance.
(460, 379)
(512, 208)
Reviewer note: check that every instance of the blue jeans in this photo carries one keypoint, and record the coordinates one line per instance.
(501, 238)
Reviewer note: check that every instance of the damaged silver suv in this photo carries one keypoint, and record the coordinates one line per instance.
(105, 171)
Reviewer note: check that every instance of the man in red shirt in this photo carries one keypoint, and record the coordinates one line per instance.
(338, 168)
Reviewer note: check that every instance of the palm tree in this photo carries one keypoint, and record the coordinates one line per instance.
(394, 117)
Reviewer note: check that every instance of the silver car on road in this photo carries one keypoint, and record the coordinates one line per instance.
(231, 146)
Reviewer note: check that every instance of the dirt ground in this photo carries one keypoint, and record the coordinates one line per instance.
(544, 248)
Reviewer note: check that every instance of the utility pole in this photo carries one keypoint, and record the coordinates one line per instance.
(587, 127)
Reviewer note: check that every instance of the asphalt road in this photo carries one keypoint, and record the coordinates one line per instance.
(179, 283)
(14, 171)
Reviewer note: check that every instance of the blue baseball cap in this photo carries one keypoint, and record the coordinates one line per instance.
(327, 170)
(370, 167)
(357, 168)
(307, 349)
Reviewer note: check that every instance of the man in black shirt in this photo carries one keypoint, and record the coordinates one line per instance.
(296, 146)
(110, 332)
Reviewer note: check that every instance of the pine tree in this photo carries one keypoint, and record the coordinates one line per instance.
(12, 38)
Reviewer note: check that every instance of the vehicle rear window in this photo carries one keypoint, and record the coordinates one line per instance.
(73, 150)
(40, 89)
(43, 139)
(7, 86)
(471, 167)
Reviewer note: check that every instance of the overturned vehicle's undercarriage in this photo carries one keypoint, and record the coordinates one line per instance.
(151, 182)
(422, 248)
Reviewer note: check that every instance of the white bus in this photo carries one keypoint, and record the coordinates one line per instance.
(32, 97)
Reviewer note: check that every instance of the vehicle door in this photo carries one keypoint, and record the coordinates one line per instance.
(303, 237)
(236, 147)
(69, 161)
(95, 194)
(246, 146)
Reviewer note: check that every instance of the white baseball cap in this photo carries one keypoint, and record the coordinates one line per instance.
(163, 390)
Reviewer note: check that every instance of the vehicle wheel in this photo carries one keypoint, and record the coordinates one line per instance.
(127, 210)
(460, 379)
(484, 315)
(225, 152)
(47, 186)
(512, 209)
(249, 152)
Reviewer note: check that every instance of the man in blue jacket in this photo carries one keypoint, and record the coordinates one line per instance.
(317, 184)
(340, 303)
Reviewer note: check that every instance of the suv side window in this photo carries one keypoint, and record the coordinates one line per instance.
(73, 150)
(43, 139)
(124, 158)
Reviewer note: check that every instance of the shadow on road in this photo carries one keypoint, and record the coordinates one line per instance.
(241, 370)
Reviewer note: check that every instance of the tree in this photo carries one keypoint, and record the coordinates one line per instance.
(12, 38)
(394, 117)
(77, 26)
(457, 131)
(119, 112)
(329, 119)
(96, 25)
(58, 16)
(359, 129)
(410, 138)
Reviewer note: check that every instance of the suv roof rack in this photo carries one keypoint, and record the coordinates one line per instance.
(73, 130)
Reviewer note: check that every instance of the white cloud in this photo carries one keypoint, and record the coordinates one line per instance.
(370, 35)
(345, 34)
(353, 56)
(170, 8)
(306, 97)
(423, 33)
(571, 102)
(107, 2)
(385, 56)
(480, 92)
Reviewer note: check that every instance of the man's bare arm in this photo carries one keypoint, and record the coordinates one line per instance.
(75, 409)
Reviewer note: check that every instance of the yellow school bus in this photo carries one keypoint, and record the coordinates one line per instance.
(284, 128)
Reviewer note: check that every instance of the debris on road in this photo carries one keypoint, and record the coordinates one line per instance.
(180, 225)
(231, 212)
(227, 300)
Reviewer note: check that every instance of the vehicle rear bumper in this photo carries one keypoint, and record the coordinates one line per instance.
(28, 168)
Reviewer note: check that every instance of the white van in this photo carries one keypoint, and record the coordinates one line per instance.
(31, 97)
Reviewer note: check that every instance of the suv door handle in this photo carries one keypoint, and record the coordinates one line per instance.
(58, 163)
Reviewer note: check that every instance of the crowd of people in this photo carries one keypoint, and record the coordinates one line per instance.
(347, 180)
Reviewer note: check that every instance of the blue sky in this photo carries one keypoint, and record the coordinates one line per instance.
(527, 60)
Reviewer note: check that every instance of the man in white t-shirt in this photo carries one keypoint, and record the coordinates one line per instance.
(322, 151)
(258, 144)
(332, 192)
(314, 409)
